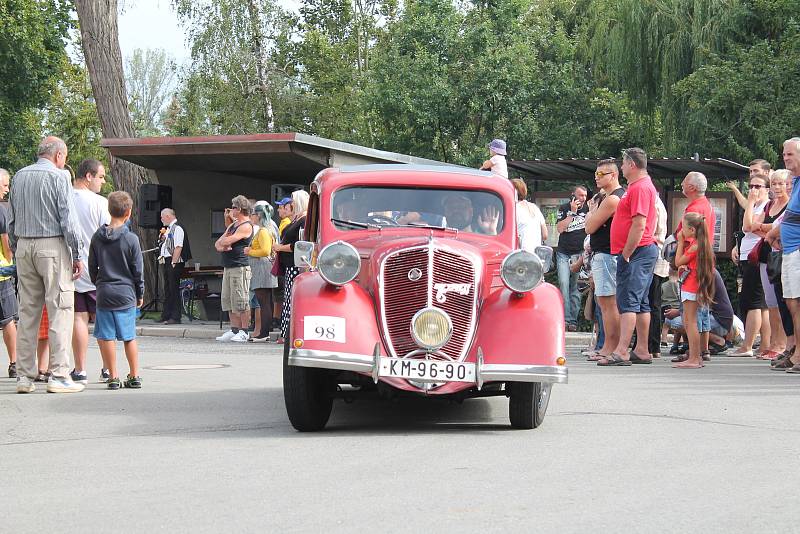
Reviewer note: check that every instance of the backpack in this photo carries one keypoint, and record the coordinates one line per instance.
(186, 251)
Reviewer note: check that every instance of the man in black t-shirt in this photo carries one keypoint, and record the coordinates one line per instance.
(570, 226)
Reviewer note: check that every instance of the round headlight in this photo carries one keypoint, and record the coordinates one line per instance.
(431, 328)
(521, 271)
(338, 263)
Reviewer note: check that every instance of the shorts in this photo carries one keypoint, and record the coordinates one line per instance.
(86, 302)
(235, 289)
(115, 324)
(44, 326)
(789, 278)
(604, 273)
(278, 291)
(634, 278)
(8, 302)
(703, 325)
(751, 296)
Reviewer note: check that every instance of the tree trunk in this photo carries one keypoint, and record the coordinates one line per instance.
(100, 39)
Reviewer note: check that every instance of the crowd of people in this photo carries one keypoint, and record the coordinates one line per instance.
(645, 282)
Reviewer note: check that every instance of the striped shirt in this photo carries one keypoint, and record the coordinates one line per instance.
(41, 204)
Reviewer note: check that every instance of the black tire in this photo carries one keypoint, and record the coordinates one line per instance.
(307, 393)
(527, 403)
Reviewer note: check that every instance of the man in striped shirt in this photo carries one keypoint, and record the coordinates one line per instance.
(43, 234)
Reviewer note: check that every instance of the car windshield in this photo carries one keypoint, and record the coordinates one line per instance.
(366, 207)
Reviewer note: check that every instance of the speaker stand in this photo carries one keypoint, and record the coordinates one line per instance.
(153, 304)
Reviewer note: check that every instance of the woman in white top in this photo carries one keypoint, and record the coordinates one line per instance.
(531, 226)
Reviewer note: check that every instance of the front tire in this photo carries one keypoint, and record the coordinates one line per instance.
(307, 393)
(527, 403)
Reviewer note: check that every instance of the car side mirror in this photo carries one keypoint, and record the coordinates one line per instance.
(303, 251)
(545, 254)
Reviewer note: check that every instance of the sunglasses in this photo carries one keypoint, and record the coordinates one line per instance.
(600, 174)
(757, 186)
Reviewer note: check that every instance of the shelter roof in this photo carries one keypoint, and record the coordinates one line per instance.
(576, 169)
(286, 157)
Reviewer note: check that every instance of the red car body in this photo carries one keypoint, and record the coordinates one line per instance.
(509, 336)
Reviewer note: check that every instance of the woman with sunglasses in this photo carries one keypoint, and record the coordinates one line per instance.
(762, 224)
(752, 306)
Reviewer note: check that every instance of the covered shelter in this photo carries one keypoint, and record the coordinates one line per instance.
(667, 173)
(204, 173)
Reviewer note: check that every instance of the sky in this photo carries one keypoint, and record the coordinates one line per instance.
(154, 24)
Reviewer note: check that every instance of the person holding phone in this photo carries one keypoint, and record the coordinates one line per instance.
(571, 233)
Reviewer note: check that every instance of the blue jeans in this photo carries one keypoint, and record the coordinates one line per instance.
(601, 333)
(568, 282)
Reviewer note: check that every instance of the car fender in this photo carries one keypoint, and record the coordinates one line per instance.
(313, 296)
(523, 328)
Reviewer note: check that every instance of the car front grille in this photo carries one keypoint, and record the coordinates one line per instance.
(402, 297)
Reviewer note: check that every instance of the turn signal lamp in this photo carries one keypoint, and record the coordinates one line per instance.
(559, 361)
(298, 343)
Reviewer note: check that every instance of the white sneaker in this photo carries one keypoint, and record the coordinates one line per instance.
(25, 385)
(58, 384)
(241, 337)
(226, 336)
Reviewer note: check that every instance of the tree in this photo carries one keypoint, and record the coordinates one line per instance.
(32, 52)
(100, 40)
(150, 76)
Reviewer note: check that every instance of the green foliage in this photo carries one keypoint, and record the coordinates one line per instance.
(32, 34)
(149, 76)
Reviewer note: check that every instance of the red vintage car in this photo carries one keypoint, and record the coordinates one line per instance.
(414, 284)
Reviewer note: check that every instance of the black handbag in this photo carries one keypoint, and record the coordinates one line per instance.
(774, 266)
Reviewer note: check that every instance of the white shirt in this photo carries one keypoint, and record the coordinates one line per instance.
(499, 165)
(529, 225)
(661, 267)
(750, 239)
(173, 238)
(91, 212)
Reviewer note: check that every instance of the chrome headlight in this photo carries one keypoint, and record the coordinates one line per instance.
(431, 328)
(338, 263)
(521, 271)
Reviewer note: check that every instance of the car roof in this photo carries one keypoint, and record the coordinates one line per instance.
(412, 175)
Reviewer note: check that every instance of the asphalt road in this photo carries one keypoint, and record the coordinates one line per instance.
(637, 449)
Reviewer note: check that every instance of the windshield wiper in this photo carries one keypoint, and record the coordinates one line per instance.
(434, 226)
(355, 224)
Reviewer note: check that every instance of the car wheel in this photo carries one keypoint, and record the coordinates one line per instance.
(527, 403)
(307, 393)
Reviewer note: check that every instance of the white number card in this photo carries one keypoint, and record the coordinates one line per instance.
(324, 328)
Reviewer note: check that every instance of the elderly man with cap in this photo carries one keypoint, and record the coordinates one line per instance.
(497, 160)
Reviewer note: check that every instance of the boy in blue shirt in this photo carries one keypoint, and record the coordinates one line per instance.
(116, 269)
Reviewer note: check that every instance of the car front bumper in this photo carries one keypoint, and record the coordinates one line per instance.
(485, 372)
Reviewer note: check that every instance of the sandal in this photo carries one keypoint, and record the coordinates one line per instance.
(782, 365)
(637, 360)
(795, 369)
(113, 383)
(614, 360)
(133, 382)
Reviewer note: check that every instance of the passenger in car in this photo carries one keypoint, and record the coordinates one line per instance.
(459, 214)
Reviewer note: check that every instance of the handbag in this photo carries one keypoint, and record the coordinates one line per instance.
(755, 254)
(277, 269)
(774, 262)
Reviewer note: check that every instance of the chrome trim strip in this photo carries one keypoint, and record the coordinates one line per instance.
(501, 372)
(344, 361)
(368, 363)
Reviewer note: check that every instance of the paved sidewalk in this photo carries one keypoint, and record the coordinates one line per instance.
(210, 330)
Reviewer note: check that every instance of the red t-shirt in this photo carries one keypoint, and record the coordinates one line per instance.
(690, 285)
(639, 199)
(702, 206)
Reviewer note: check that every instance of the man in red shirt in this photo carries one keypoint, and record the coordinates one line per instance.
(633, 242)
(694, 187)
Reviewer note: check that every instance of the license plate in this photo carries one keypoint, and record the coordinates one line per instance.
(427, 370)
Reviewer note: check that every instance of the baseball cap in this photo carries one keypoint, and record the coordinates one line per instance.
(283, 201)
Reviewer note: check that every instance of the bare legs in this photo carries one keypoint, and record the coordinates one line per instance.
(610, 317)
(777, 341)
(10, 340)
(108, 351)
(80, 340)
(629, 321)
(695, 360)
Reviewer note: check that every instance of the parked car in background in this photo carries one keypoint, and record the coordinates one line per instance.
(415, 285)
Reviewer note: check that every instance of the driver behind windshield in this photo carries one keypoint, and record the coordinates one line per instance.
(459, 214)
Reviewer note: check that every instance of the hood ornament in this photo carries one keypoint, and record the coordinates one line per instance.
(443, 289)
